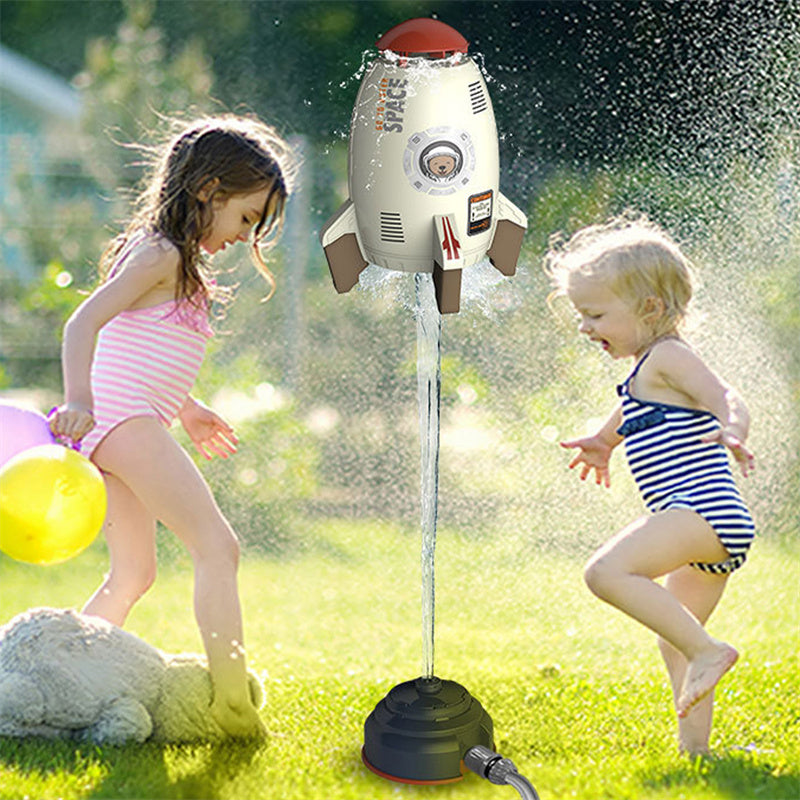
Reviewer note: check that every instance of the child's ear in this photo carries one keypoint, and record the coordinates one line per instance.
(207, 189)
(653, 308)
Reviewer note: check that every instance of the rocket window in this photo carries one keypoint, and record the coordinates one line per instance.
(439, 161)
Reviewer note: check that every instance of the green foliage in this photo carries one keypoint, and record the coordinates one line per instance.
(129, 84)
(584, 81)
(57, 223)
(31, 323)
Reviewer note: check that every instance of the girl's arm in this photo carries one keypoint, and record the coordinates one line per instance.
(683, 371)
(144, 270)
(595, 451)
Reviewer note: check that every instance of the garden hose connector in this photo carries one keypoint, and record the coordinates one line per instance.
(498, 770)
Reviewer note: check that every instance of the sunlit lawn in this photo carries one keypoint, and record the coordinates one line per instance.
(576, 691)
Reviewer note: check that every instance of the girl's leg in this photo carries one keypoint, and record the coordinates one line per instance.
(699, 592)
(143, 455)
(622, 573)
(130, 531)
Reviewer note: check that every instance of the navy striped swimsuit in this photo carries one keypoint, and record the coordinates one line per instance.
(674, 469)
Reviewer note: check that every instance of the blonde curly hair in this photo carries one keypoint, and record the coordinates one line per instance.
(635, 258)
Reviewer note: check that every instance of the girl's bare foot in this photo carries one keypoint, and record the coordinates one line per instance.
(693, 746)
(703, 674)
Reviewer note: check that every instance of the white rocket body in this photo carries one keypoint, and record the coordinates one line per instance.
(423, 177)
(400, 113)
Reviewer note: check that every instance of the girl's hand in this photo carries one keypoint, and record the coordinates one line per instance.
(735, 444)
(209, 433)
(594, 454)
(71, 421)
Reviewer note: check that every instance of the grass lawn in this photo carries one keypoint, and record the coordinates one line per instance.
(577, 692)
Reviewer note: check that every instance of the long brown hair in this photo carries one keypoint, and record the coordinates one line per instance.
(244, 155)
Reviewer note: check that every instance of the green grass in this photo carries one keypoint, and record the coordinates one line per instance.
(576, 690)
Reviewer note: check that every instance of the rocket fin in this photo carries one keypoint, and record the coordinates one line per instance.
(447, 284)
(339, 238)
(448, 260)
(508, 233)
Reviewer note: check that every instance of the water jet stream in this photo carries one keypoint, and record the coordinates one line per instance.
(429, 380)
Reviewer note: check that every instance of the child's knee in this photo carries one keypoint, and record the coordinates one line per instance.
(231, 549)
(600, 575)
(134, 579)
(221, 547)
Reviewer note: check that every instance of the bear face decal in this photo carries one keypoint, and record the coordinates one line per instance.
(439, 160)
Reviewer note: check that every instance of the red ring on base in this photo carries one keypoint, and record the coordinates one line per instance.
(394, 778)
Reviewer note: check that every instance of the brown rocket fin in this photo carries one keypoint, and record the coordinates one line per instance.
(447, 284)
(506, 245)
(508, 234)
(340, 243)
(345, 262)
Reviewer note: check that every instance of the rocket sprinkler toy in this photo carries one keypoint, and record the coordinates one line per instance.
(424, 198)
(423, 168)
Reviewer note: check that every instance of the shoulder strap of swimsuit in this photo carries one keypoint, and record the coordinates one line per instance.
(623, 389)
(638, 366)
(626, 382)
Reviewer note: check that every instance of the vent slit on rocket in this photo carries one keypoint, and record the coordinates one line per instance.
(391, 227)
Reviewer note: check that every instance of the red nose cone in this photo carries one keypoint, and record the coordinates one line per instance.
(423, 36)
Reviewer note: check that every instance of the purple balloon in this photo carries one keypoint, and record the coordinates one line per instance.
(20, 429)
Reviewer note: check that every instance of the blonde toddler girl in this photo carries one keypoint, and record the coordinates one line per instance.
(631, 286)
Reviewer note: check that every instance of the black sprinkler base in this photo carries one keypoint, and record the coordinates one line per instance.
(421, 730)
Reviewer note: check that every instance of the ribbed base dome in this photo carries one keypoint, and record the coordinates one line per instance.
(421, 730)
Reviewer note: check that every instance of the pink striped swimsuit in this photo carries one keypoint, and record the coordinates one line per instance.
(145, 363)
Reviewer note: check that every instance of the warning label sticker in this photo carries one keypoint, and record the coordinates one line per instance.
(480, 212)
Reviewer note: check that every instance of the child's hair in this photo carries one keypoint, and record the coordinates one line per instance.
(244, 155)
(635, 258)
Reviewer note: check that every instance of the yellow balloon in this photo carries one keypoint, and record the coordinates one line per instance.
(52, 504)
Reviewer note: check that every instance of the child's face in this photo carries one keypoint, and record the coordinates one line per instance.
(233, 219)
(607, 318)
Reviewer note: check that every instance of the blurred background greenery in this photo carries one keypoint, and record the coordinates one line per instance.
(689, 112)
